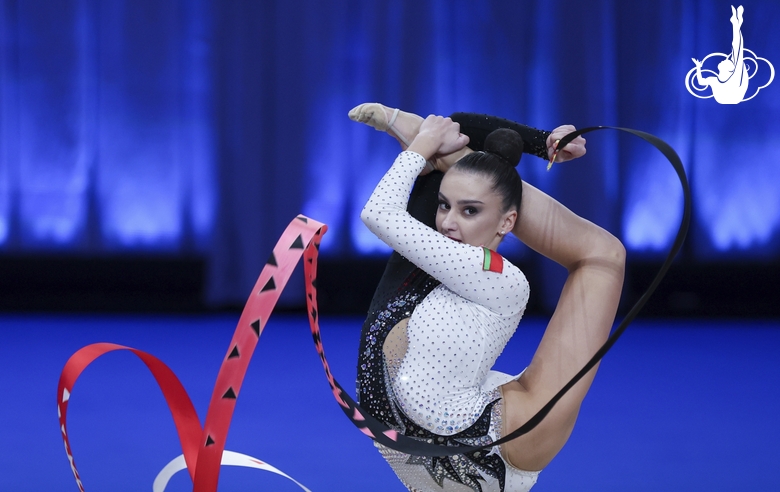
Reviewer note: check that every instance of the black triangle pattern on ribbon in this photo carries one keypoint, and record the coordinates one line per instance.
(298, 243)
(234, 353)
(230, 394)
(270, 285)
(256, 327)
(271, 260)
(209, 441)
(303, 219)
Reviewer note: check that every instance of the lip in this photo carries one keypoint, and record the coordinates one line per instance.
(458, 240)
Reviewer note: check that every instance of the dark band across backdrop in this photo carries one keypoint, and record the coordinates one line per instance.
(185, 127)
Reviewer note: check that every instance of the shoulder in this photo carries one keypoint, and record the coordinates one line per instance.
(493, 261)
(505, 289)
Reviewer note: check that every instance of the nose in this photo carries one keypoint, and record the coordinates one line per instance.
(448, 223)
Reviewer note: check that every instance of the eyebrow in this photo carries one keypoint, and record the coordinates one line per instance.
(461, 202)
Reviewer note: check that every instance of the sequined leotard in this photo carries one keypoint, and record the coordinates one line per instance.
(434, 380)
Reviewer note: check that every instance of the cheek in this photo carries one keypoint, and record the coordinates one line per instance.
(485, 226)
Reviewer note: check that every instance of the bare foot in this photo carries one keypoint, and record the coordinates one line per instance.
(403, 128)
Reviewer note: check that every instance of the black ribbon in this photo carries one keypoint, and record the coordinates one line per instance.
(388, 437)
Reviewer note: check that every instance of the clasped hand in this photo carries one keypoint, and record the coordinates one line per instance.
(438, 136)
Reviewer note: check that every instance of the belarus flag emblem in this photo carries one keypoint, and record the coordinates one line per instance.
(493, 262)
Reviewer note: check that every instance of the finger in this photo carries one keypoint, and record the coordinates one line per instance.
(561, 132)
(578, 140)
(564, 128)
(567, 153)
(577, 151)
(454, 145)
(427, 122)
(564, 156)
(575, 148)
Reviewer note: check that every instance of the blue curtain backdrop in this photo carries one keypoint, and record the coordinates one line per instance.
(203, 127)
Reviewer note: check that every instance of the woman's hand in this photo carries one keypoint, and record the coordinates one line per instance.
(575, 148)
(438, 135)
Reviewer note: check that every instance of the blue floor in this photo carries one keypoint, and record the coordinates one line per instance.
(677, 405)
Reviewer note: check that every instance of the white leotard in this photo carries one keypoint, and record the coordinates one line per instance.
(443, 380)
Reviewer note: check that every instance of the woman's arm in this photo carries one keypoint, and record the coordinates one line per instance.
(423, 200)
(479, 126)
(457, 265)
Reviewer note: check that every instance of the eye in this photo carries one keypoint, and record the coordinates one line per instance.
(443, 205)
(470, 211)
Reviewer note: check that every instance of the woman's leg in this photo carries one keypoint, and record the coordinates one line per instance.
(580, 324)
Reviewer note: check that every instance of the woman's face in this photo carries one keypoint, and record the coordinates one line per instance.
(470, 211)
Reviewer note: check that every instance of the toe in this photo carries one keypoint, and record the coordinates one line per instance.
(372, 114)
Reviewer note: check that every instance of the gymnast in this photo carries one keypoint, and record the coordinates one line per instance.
(447, 303)
(731, 84)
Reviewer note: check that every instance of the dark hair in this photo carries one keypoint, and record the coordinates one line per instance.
(503, 149)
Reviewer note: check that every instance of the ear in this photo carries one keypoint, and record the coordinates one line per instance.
(508, 220)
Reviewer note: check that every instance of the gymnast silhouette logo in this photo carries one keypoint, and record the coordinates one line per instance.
(730, 84)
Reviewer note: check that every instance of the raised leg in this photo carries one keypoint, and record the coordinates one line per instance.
(580, 324)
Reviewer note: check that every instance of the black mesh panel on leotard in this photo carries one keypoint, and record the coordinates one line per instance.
(384, 314)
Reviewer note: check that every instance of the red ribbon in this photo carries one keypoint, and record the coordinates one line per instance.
(203, 446)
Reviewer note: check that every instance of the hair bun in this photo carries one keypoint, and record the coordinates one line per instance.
(507, 144)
